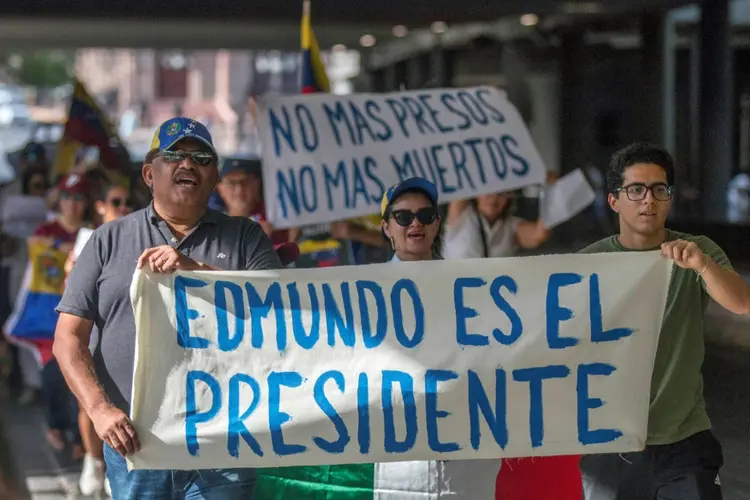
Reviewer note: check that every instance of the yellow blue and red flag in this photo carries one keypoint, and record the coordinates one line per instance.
(33, 320)
(314, 78)
(87, 125)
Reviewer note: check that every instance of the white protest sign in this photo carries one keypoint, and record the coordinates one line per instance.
(328, 157)
(531, 356)
(566, 198)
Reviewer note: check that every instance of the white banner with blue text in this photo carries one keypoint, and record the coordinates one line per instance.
(328, 157)
(516, 357)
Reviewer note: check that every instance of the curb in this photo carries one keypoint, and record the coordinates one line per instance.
(12, 484)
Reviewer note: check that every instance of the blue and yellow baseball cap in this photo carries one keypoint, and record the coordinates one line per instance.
(411, 184)
(178, 128)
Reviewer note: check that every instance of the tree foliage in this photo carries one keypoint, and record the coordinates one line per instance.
(41, 69)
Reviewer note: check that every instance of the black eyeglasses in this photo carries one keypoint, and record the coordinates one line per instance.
(425, 216)
(118, 202)
(201, 158)
(638, 191)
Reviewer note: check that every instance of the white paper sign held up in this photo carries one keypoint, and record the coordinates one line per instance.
(329, 157)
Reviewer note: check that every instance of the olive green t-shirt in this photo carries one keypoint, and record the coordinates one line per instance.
(677, 408)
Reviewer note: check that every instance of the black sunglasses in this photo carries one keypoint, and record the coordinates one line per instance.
(425, 216)
(118, 202)
(201, 158)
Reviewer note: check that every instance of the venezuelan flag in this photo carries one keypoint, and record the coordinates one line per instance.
(87, 125)
(314, 78)
(33, 320)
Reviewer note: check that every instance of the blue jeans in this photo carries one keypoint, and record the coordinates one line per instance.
(210, 484)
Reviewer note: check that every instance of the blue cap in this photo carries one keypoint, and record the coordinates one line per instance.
(176, 129)
(413, 183)
(247, 165)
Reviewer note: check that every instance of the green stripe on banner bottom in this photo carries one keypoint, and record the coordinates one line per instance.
(326, 482)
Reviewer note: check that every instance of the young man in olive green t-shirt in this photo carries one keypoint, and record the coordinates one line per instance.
(682, 456)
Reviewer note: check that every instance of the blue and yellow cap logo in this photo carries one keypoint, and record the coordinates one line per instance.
(411, 184)
(175, 129)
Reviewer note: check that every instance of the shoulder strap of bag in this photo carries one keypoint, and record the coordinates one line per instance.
(483, 235)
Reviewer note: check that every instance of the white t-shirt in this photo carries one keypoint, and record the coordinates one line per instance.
(463, 239)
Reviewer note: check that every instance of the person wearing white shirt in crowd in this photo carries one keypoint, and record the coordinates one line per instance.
(483, 227)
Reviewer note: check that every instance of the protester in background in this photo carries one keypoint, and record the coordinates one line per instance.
(32, 165)
(181, 170)
(113, 203)
(365, 235)
(14, 254)
(74, 201)
(241, 189)
(61, 408)
(484, 227)
(34, 155)
(681, 454)
(33, 184)
(14, 257)
(96, 180)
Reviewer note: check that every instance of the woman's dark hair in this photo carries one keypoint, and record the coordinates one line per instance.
(104, 191)
(29, 174)
(638, 152)
(437, 243)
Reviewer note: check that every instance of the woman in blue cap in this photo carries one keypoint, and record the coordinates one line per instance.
(411, 222)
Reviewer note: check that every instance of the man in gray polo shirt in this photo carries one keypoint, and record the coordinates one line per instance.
(176, 232)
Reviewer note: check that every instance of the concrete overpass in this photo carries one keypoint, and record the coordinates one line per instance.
(261, 24)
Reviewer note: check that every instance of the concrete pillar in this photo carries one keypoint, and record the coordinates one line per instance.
(694, 168)
(442, 67)
(417, 71)
(716, 107)
(395, 76)
(515, 67)
(573, 139)
(377, 80)
(669, 83)
(653, 68)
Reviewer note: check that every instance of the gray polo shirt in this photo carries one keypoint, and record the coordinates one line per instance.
(98, 287)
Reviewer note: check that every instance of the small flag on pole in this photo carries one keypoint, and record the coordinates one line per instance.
(314, 78)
